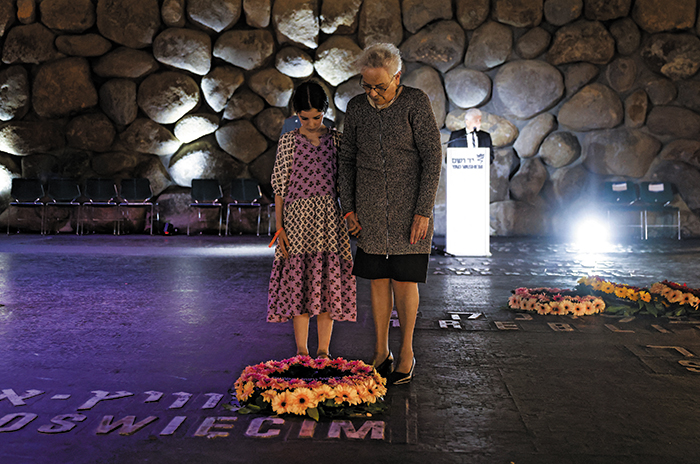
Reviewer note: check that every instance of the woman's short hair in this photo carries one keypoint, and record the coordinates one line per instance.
(381, 55)
(310, 95)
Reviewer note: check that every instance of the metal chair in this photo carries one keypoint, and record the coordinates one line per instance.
(656, 198)
(62, 193)
(206, 193)
(244, 193)
(621, 197)
(99, 193)
(136, 193)
(26, 193)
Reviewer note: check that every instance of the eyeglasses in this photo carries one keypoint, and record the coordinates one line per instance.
(380, 89)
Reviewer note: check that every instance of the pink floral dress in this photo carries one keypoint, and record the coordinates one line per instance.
(317, 276)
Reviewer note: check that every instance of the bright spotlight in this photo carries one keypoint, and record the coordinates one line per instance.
(591, 235)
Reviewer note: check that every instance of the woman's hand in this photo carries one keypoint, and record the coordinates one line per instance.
(353, 224)
(419, 229)
(283, 243)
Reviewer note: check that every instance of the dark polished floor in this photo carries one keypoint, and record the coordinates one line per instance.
(122, 350)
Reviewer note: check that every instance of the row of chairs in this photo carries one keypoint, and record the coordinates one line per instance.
(66, 193)
(642, 199)
(207, 194)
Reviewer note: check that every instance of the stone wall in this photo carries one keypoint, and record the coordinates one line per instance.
(574, 92)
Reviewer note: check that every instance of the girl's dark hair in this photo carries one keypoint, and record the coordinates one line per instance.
(310, 95)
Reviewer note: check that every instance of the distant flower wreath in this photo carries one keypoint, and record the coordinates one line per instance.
(555, 301)
(314, 387)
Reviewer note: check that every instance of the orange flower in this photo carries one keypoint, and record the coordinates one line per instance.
(246, 390)
(675, 296)
(620, 292)
(598, 305)
(566, 307)
(346, 393)
(607, 287)
(300, 400)
(645, 296)
(280, 403)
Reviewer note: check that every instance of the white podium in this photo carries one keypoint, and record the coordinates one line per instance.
(467, 202)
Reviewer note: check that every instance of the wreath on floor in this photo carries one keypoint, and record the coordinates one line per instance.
(311, 387)
(594, 295)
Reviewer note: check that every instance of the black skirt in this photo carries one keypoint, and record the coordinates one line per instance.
(403, 268)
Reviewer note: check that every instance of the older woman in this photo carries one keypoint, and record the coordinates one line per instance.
(389, 168)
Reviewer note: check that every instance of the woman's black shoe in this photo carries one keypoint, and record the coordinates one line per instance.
(399, 378)
(384, 369)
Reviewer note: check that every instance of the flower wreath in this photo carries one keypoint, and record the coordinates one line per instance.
(595, 295)
(555, 301)
(305, 386)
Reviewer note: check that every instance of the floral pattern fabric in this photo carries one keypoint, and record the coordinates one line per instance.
(317, 276)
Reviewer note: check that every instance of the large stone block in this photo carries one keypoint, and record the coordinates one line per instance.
(23, 138)
(241, 140)
(676, 56)
(380, 21)
(92, 132)
(32, 43)
(118, 100)
(582, 41)
(14, 93)
(627, 36)
(125, 62)
(560, 12)
(596, 106)
(418, 13)
(294, 62)
(219, 85)
(132, 23)
(147, 136)
(245, 49)
(296, 22)
(257, 12)
(560, 149)
(340, 16)
(184, 49)
(490, 46)
(63, 87)
(167, 96)
(619, 152)
(273, 86)
(605, 10)
(203, 159)
(533, 43)
(72, 16)
(214, 15)
(195, 126)
(664, 15)
(83, 45)
(526, 88)
(674, 121)
(335, 59)
(517, 13)
(636, 105)
(532, 135)
(243, 104)
(467, 88)
(518, 218)
(440, 45)
(528, 181)
(621, 74)
(472, 13)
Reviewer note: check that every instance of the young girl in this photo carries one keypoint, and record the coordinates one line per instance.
(311, 274)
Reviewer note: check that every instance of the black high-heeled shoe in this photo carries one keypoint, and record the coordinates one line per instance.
(384, 369)
(399, 378)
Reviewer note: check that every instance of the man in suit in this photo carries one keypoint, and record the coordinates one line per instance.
(471, 136)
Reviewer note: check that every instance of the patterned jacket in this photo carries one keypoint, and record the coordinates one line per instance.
(389, 169)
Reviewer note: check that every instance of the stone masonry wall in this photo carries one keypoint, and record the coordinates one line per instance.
(574, 92)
